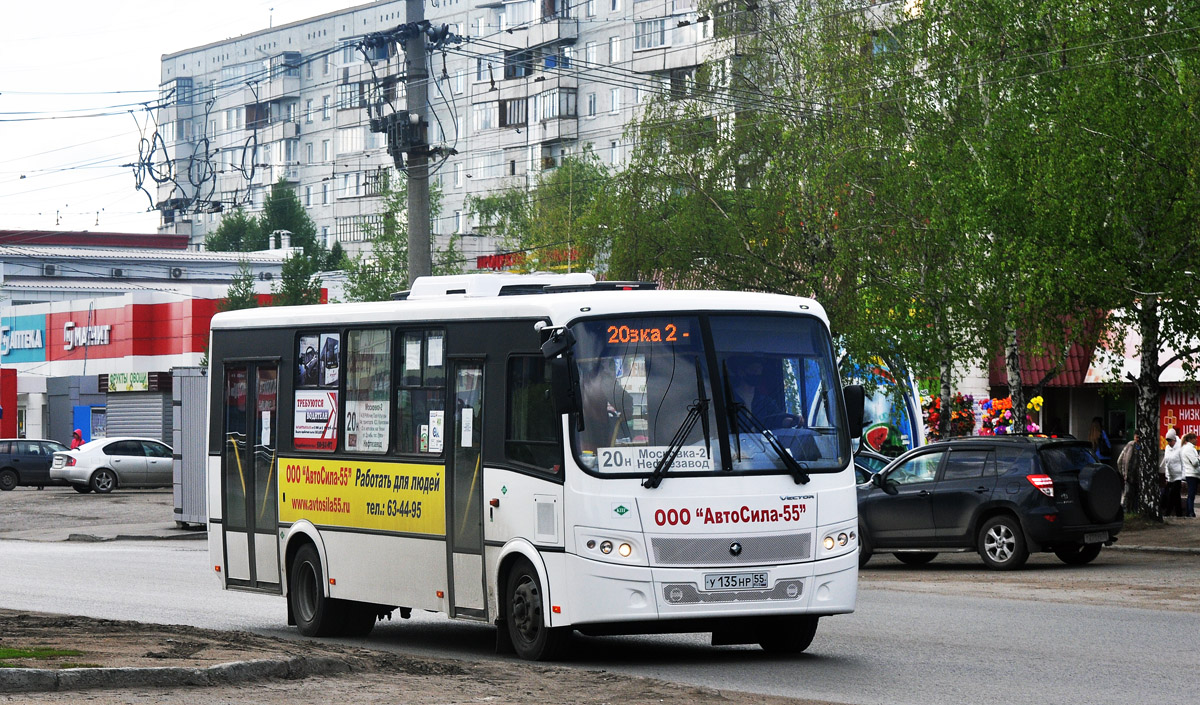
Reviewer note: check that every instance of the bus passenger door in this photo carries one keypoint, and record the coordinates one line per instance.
(465, 496)
(248, 482)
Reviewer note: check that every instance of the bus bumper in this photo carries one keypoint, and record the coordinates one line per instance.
(598, 592)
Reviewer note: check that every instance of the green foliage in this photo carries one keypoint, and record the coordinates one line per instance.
(376, 275)
(298, 283)
(241, 290)
(282, 210)
(555, 224)
(237, 232)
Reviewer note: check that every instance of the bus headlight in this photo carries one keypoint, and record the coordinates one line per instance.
(619, 547)
(624, 549)
(606, 547)
(837, 540)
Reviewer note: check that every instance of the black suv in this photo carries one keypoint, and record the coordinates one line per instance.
(26, 461)
(1004, 496)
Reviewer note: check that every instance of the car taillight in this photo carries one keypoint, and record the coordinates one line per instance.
(1043, 483)
(69, 461)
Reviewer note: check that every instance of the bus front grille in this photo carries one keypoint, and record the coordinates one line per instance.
(732, 550)
(688, 594)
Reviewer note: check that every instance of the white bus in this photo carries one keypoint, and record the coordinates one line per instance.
(545, 453)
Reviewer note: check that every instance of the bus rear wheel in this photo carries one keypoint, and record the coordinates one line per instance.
(316, 614)
(531, 638)
(789, 636)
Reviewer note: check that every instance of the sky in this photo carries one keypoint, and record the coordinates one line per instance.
(74, 75)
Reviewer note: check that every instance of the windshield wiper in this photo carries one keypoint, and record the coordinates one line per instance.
(752, 422)
(698, 410)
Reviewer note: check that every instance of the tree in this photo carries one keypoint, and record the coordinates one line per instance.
(241, 293)
(237, 232)
(375, 276)
(554, 223)
(282, 210)
(298, 283)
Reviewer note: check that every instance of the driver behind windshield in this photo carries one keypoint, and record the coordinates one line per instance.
(750, 389)
(606, 408)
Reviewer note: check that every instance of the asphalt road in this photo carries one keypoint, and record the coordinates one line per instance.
(1121, 631)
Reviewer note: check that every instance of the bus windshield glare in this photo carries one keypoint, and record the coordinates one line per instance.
(774, 390)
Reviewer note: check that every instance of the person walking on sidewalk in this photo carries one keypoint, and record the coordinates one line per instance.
(1125, 467)
(76, 439)
(1101, 445)
(1191, 471)
(1172, 467)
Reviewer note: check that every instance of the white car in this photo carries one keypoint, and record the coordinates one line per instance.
(107, 463)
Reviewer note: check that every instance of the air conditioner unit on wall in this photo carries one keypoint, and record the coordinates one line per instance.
(49, 270)
(177, 272)
(119, 273)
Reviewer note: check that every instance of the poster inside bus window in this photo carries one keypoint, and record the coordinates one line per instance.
(317, 360)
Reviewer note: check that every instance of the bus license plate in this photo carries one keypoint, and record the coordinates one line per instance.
(735, 581)
(1095, 537)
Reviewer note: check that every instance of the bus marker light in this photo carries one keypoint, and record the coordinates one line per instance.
(440, 594)
(333, 581)
(591, 543)
(556, 609)
(217, 568)
(495, 502)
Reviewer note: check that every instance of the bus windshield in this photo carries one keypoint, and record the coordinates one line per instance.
(768, 387)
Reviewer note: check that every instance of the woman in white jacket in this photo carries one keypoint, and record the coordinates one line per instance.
(1191, 471)
(1172, 469)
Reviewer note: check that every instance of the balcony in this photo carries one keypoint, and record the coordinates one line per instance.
(553, 29)
(280, 130)
(559, 129)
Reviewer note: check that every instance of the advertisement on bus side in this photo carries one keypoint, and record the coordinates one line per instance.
(401, 497)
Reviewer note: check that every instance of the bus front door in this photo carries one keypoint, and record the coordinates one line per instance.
(465, 495)
(248, 482)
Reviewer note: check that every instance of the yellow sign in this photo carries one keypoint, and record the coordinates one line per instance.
(363, 494)
(128, 381)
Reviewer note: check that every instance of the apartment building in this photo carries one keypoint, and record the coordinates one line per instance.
(531, 82)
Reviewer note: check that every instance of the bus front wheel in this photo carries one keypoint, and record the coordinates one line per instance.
(789, 636)
(316, 614)
(531, 638)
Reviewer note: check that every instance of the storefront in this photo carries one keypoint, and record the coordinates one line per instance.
(101, 365)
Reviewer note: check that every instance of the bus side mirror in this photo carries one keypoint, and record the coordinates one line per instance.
(557, 347)
(855, 400)
(564, 385)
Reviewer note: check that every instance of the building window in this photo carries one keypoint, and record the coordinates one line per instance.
(513, 112)
(614, 153)
(324, 193)
(650, 34)
(307, 196)
(614, 49)
(614, 5)
(325, 155)
(308, 153)
(350, 140)
(458, 175)
(458, 222)
(591, 105)
(326, 64)
(324, 107)
(589, 54)
(591, 8)
(615, 95)
(460, 80)
(483, 116)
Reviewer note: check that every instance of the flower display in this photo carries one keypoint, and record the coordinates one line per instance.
(998, 417)
(962, 415)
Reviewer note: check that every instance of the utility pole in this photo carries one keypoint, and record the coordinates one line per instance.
(420, 257)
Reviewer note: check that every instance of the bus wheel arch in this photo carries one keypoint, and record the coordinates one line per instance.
(526, 613)
(302, 535)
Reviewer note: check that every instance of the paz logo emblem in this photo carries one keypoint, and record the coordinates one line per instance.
(735, 549)
(620, 510)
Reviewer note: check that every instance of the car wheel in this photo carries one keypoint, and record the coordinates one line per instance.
(8, 480)
(82, 489)
(790, 636)
(1078, 553)
(531, 638)
(315, 614)
(1002, 543)
(103, 481)
(911, 558)
(864, 546)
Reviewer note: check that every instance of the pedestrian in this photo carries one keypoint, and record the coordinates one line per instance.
(76, 439)
(1101, 446)
(1172, 467)
(1125, 467)
(1191, 471)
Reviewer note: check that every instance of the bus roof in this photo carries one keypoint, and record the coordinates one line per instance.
(555, 308)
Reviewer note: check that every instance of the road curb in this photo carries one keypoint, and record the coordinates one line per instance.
(28, 680)
(1156, 549)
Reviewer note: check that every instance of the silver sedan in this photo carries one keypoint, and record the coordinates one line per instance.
(107, 463)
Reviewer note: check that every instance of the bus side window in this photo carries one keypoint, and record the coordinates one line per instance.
(532, 435)
(421, 393)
